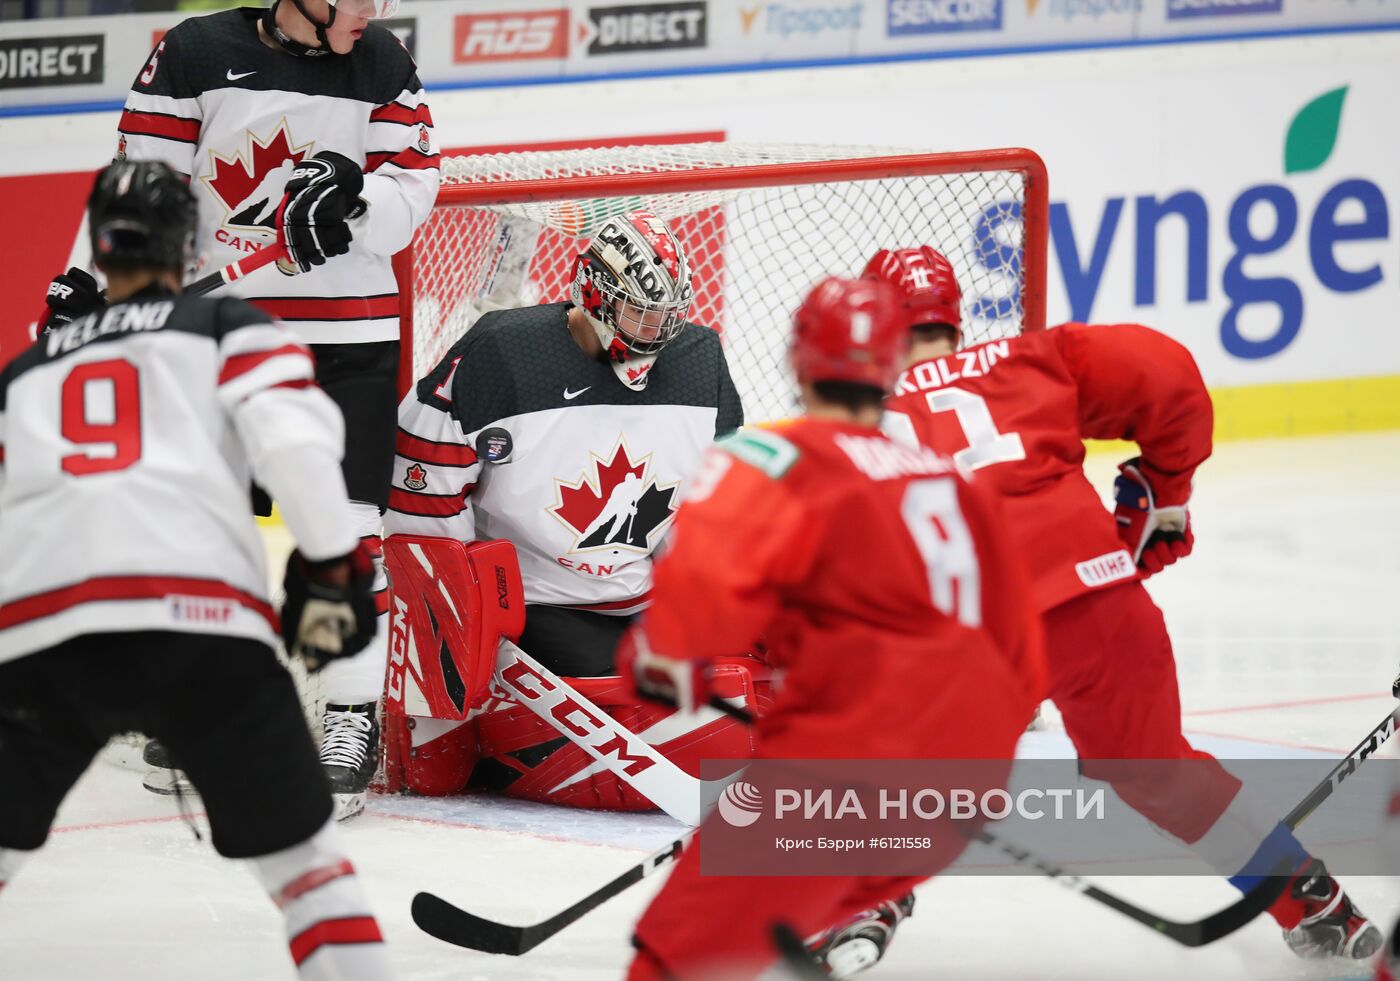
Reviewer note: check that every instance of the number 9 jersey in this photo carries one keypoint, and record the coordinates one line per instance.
(127, 443)
(1017, 411)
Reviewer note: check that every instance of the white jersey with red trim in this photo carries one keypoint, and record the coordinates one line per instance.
(127, 444)
(216, 103)
(518, 434)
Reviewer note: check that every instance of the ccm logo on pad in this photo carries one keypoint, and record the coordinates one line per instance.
(511, 36)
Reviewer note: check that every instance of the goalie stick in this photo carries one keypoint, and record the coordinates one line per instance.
(633, 759)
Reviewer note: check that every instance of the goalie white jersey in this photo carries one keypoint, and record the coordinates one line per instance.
(127, 443)
(216, 103)
(518, 434)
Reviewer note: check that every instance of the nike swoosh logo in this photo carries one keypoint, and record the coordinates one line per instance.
(233, 78)
(573, 395)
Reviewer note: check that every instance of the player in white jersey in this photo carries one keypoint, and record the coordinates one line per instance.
(289, 123)
(134, 591)
(567, 428)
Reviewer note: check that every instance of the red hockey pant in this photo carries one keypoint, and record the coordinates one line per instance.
(1113, 677)
(710, 927)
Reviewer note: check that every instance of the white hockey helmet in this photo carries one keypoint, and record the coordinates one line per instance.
(633, 285)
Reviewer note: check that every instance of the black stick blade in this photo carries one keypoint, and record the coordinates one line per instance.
(441, 919)
(794, 953)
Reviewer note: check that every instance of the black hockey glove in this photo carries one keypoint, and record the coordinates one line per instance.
(71, 295)
(329, 611)
(317, 203)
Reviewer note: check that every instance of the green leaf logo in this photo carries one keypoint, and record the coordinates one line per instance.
(1313, 133)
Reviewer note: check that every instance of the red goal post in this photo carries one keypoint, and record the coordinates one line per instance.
(761, 223)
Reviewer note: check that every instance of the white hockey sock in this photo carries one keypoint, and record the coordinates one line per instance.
(10, 861)
(359, 680)
(332, 933)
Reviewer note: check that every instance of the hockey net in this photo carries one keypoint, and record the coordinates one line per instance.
(761, 224)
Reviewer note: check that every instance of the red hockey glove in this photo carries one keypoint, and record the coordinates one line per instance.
(71, 295)
(329, 611)
(680, 682)
(1156, 533)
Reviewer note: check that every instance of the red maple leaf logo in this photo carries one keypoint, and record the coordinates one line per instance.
(250, 189)
(415, 478)
(581, 503)
(634, 373)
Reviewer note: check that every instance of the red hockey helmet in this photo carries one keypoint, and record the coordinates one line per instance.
(850, 330)
(926, 281)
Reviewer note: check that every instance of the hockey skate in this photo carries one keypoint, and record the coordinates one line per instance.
(1332, 926)
(163, 777)
(845, 950)
(350, 754)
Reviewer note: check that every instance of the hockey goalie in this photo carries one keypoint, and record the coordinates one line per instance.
(538, 467)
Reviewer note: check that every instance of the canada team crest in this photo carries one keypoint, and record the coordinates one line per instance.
(615, 504)
(250, 187)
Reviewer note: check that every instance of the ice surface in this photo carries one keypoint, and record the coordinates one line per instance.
(1289, 601)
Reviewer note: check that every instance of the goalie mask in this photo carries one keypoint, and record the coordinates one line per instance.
(633, 285)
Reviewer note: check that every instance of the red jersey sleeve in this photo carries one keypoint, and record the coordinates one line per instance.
(738, 539)
(1137, 384)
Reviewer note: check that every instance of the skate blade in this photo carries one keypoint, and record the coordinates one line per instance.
(348, 805)
(168, 783)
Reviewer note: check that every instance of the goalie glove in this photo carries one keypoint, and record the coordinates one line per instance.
(71, 295)
(318, 202)
(329, 610)
(678, 682)
(1156, 534)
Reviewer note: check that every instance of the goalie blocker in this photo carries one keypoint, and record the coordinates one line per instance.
(448, 725)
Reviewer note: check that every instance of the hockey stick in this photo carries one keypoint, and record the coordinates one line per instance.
(235, 271)
(441, 919)
(231, 273)
(1363, 751)
(602, 737)
(1193, 934)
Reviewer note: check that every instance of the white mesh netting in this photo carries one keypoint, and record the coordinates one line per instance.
(755, 249)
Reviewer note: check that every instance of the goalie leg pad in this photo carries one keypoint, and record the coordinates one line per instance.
(529, 760)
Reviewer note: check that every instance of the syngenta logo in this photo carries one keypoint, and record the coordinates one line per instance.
(741, 804)
(1260, 221)
(1075, 9)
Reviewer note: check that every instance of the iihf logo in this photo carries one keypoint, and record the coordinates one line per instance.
(741, 804)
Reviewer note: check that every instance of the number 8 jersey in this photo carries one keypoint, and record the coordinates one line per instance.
(127, 443)
(1017, 413)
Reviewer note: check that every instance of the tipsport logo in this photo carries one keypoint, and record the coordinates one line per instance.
(908, 17)
(1069, 10)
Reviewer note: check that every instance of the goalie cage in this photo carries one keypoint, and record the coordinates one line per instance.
(761, 224)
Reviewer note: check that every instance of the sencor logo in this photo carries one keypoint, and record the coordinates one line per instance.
(741, 804)
(939, 16)
(511, 37)
(1177, 9)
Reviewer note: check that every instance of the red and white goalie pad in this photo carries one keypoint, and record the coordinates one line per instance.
(450, 605)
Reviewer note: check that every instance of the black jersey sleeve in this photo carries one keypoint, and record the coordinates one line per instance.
(162, 117)
(730, 414)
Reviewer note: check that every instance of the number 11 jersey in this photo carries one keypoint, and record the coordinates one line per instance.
(1017, 412)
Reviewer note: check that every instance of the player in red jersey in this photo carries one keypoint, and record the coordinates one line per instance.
(1017, 411)
(927, 591)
